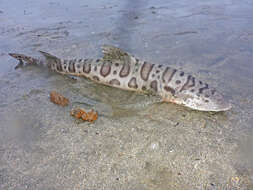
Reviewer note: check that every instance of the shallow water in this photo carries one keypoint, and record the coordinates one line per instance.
(135, 144)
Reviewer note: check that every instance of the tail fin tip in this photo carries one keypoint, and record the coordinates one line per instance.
(16, 55)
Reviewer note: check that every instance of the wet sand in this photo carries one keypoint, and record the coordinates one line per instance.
(134, 144)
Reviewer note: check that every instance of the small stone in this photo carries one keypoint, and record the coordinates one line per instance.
(154, 145)
(235, 180)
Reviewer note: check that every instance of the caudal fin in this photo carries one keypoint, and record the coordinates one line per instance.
(23, 58)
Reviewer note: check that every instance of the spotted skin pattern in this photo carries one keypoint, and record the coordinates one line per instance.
(121, 70)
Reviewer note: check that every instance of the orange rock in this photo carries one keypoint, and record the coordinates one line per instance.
(85, 116)
(57, 98)
(90, 116)
(77, 113)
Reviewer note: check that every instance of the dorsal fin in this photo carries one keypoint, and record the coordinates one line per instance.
(112, 53)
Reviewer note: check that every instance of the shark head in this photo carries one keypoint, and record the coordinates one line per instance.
(207, 100)
(196, 95)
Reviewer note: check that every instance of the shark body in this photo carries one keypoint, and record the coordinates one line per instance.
(121, 70)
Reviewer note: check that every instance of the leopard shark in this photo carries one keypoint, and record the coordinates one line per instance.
(120, 69)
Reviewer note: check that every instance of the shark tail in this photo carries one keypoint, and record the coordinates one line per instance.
(23, 58)
(49, 60)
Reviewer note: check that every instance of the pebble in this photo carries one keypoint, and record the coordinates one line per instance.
(154, 145)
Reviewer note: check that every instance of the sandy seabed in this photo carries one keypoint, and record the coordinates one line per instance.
(133, 144)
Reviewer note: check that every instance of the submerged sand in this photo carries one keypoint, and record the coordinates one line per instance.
(134, 144)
